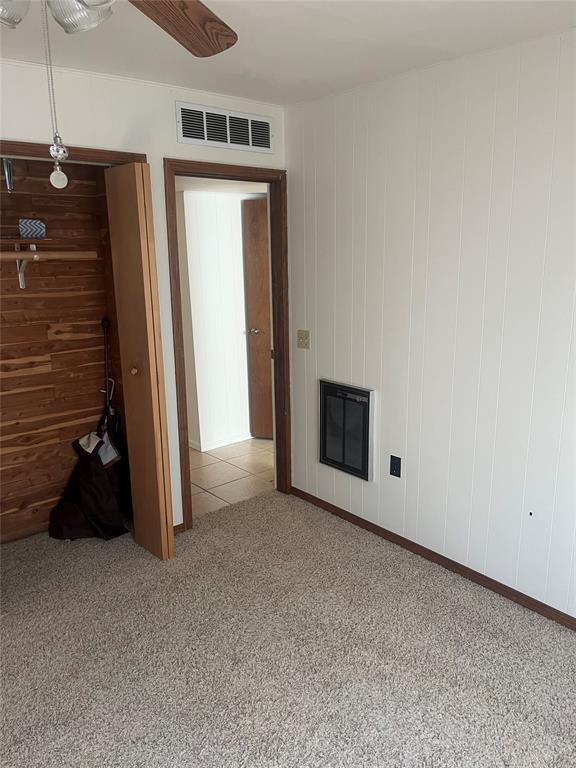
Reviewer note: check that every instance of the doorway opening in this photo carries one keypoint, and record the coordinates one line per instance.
(77, 268)
(227, 250)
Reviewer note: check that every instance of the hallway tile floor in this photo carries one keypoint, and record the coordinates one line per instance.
(233, 473)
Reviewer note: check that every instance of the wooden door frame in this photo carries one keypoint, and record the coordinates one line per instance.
(84, 155)
(276, 179)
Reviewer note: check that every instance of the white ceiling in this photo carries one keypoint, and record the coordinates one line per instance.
(295, 50)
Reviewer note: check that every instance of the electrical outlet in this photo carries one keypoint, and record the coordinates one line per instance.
(303, 339)
(395, 466)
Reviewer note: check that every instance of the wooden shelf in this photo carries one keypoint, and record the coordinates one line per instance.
(24, 241)
(48, 255)
(51, 242)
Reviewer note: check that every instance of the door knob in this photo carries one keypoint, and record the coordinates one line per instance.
(254, 331)
(133, 371)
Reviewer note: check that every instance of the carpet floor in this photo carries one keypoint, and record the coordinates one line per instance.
(280, 637)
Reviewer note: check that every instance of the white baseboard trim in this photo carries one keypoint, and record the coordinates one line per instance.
(219, 443)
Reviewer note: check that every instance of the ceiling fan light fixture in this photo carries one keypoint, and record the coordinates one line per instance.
(79, 15)
(13, 11)
(96, 3)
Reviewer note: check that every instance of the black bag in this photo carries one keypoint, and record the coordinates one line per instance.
(90, 504)
(97, 500)
(118, 471)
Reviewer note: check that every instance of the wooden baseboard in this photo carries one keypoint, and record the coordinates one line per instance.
(180, 528)
(11, 530)
(462, 570)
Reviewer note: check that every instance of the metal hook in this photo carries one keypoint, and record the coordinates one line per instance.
(21, 268)
(7, 163)
(22, 263)
(112, 382)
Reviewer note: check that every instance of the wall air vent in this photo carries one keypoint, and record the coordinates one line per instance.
(345, 428)
(260, 133)
(216, 127)
(192, 124)
(239, 130)
(212, 127)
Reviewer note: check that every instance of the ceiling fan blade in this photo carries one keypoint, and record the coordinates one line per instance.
(191, 24)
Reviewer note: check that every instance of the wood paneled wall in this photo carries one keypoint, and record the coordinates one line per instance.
(51, 341)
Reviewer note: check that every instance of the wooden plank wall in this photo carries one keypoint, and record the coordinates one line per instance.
(51, 341)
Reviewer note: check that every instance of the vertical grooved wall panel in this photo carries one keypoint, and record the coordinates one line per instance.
(433, 258)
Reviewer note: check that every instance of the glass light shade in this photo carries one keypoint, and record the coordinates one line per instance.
(13, 11)
(58, 178)
(96, 3)
(76, 16)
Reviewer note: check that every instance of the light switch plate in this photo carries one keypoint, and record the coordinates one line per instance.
(303, 339)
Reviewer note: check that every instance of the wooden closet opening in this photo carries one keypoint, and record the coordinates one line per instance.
(51, 337)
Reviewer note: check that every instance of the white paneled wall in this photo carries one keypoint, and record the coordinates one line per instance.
(433, 258)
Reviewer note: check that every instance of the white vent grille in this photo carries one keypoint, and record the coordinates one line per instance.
(260, 133)
(199, 124)
(239, 130)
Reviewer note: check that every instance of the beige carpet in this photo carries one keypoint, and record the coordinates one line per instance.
(280, 637)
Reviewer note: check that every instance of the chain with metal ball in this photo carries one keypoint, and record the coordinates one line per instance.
(58, 151)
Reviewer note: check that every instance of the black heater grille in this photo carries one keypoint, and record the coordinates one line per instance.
(345, 428)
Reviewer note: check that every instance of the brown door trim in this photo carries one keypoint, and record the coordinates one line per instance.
(280, 319)
(27, 149)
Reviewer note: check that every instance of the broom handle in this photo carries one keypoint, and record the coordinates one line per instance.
(105, 328)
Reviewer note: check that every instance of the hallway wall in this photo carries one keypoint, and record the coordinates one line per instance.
(213, 227)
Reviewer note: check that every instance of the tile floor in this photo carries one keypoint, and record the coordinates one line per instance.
(233, 473)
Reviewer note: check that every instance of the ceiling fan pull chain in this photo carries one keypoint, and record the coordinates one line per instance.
(58, 151)
(49, 73)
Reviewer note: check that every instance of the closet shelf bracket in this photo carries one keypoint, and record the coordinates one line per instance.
(21, 265)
